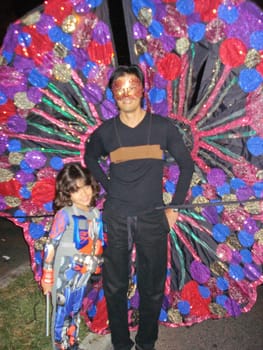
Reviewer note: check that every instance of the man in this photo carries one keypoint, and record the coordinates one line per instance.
(135, 141)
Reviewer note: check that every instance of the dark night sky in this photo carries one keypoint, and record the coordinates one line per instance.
(10, 10)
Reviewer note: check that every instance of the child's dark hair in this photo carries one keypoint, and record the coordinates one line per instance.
(66, 185)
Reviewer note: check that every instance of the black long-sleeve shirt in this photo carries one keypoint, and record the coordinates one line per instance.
(134, 182)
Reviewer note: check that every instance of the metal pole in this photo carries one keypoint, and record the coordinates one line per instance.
(47, 313)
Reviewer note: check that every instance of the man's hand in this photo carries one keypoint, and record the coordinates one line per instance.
(171, 216)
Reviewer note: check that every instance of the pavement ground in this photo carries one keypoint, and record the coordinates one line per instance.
(242, 333)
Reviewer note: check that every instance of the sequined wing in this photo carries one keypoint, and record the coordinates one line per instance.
(206, 74)
(55, 64)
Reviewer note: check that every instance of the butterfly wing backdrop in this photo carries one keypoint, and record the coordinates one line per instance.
(202, 71)
(203, 65)
(55, 64)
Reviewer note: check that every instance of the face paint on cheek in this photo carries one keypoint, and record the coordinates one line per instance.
(132, 87)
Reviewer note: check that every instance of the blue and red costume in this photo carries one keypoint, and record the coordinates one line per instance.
(72, 254)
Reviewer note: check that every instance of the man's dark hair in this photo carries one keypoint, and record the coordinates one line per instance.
(122, 70)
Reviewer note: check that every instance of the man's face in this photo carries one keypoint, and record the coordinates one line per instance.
(127, 91)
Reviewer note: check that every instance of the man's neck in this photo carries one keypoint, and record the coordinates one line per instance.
(132, 119)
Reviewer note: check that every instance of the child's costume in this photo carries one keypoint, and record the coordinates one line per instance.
(72, 255)
(200, 70)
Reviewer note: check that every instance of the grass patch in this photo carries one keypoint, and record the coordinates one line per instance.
(22, 316)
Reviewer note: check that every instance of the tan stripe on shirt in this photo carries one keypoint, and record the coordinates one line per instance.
(123, 154)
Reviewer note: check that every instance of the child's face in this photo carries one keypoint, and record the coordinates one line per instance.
(83, 196)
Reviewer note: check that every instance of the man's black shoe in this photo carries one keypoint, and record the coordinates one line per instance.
(138, 347)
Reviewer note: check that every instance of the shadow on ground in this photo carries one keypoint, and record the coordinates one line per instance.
(14, 251)
(242, 333)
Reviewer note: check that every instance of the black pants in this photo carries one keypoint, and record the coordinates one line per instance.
(149, 233)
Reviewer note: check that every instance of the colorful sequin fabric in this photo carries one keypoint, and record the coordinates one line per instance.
(206, 73)
(203, 64)
(55, 65)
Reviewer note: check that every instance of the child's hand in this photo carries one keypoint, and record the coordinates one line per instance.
(47, 281)
(47, 288)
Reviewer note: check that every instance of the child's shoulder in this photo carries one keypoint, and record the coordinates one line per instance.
(65, 210)
(62, 215)
(95, 211)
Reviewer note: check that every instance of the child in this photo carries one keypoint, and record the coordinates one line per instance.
(73, 251)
